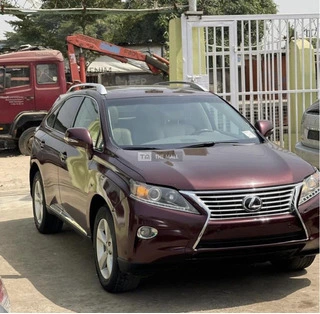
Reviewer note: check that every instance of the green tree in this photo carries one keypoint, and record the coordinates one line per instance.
(141, 28)
(51, 30)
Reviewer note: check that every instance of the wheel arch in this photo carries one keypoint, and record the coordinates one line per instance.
(26, 120)
(96, 203)
(32, 172)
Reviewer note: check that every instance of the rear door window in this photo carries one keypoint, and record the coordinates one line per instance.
(66, 114)
(88, 117)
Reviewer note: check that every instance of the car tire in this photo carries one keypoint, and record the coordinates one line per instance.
(294, 263)
(25, 141)
(106, 256)
(44, 221)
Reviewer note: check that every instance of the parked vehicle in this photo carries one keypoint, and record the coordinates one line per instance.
(4, 299)
(170, 173)
(30, 82)
(308, 148)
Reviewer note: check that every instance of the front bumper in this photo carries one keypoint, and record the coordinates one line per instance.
(181, 237)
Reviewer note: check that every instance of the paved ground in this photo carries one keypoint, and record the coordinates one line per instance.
(56, 273)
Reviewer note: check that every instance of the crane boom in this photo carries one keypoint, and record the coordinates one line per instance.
(155, 63)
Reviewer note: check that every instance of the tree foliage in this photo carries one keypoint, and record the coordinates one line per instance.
(51, 30)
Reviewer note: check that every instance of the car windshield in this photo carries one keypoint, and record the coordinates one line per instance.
(176, 122)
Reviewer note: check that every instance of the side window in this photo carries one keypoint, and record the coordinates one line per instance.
(18, 75)
(51, 118)
(47, 73)
(88, 117)
(2, 75)
(67, 113)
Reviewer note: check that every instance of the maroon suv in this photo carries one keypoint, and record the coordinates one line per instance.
(163, 174)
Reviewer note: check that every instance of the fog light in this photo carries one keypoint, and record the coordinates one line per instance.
(146, 232)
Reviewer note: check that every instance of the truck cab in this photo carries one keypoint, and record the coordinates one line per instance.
(30, 82)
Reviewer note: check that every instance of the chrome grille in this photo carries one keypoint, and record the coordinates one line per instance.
(229, 204)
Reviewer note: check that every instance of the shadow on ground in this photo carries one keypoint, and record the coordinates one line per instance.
(61, 268)
(9, 152)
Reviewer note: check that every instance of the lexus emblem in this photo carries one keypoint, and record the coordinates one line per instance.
(252, 203)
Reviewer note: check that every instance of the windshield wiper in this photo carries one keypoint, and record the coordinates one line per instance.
(209, 144)
(139, 148)
(205, 144)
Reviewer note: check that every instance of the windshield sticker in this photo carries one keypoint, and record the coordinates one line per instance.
(249, 134)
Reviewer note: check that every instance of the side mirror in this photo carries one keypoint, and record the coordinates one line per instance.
(265, 127)
(80, 137)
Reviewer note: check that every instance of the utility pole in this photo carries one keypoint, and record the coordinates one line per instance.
(193, 5)
(192, 10)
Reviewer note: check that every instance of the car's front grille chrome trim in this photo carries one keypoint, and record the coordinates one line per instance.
(228, 204)
(284, 200)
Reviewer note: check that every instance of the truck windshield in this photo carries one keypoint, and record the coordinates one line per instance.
(176, 122)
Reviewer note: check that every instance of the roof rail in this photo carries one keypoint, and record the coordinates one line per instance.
(98, 87)
(190, 84)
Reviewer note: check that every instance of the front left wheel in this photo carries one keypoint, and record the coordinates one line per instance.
(106, 255)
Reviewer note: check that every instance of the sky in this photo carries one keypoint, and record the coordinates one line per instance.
(284, 7)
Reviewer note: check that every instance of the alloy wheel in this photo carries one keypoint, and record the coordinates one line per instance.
(104, 249)
(38, 202)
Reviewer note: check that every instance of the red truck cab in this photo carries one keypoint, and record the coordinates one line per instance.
(30, 82)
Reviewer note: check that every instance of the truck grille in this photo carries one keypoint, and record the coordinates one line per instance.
(231, 204)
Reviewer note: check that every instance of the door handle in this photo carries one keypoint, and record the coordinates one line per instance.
(29, 98)
(42, 144)
(63, 156)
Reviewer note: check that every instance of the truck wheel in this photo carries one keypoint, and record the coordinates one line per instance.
(25, 141)
(44, 221)
(106, 256)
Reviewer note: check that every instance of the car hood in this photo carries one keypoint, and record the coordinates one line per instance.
(223, 166)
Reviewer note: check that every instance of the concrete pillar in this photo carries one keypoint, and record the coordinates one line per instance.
(193, 5)
(175, 52)
(302, 76)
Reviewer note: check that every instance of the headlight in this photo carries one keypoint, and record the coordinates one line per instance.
(160, 196)
(310, 188)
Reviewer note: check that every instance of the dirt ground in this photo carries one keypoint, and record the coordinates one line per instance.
(14, 169)
(55, 273)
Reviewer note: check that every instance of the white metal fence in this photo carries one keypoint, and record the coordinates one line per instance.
(267, 66)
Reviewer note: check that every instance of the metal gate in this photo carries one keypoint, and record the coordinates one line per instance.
(267, 66)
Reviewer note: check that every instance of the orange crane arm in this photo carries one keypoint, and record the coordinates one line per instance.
(155, 63)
